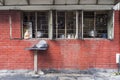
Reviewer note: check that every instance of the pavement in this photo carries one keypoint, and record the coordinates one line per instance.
(60, 76)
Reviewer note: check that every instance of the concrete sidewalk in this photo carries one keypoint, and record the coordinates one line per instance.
(60, 76)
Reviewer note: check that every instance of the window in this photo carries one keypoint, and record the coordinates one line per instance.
(95, 24)
(68, 24)
(35, 24)
(28, 25)
(98, 24)
(65, 25)
(42, 25)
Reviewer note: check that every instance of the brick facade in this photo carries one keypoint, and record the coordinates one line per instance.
(74, 53)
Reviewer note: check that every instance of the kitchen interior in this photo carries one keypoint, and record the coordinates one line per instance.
(91, 24)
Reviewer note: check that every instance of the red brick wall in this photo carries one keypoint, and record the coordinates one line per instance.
(75, 54)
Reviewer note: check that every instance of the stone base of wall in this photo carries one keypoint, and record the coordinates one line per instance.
(65, 71)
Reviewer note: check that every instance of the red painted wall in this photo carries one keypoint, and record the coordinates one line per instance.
(61, 54)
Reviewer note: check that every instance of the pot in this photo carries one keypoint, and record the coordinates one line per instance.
(39, 34)
(92, 33)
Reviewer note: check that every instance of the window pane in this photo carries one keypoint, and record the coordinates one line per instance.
(64, 24)
(88, 24)
(55, 35)
(101, 24)
(29, 25)
(61, 24)
(71, 24)
(42, 25)
(35, 24)
(80, 25)
(95, 24)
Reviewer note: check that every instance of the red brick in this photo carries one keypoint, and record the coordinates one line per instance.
(75, 54)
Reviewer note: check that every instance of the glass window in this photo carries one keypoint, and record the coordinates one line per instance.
(68, 24)
(65, 24)
(35, 25)
(96, 24)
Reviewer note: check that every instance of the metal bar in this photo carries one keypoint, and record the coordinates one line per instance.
(35, 62)
(94, 23)
(94, 20)
(36, 25)
(82, 24)
(56, 25)
(50, 25)
(28, 16)
(77, 14)
(65, 24)
(22, 25)
(10, 22)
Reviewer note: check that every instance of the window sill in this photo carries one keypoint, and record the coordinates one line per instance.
(95, 39)
(32, 39)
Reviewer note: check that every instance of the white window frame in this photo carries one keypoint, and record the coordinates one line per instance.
(65, 31)
(108, 34)
(36, 25)
(50, 25)
(111, 33)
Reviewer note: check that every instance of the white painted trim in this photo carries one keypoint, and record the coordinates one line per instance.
(113, 24)
(10, 22)
(36, 25)
(50, 23)
(59, 7)
(77, 21)
(82, 23)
